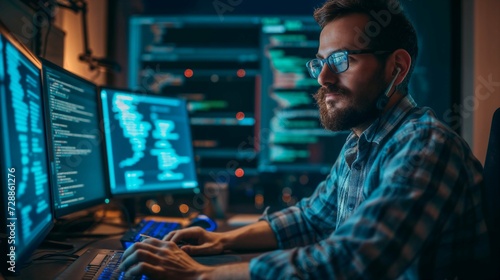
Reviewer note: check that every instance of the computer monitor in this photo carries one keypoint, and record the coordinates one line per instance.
(76, 145)
(148, 143)
(215, 66)
(292, 138)
(26, 214)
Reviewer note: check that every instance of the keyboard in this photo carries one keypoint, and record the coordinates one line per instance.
(96, 264)
(150, 228)
(102, 264)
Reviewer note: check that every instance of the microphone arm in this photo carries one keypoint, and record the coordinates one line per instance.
(93, 62)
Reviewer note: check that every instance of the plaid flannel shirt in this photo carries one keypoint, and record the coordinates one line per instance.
(403, 200)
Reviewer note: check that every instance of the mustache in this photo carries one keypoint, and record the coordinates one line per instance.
(319, 96)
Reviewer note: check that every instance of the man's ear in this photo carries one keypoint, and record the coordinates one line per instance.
(401, 59)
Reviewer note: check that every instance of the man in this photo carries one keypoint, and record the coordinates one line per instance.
(402, 201)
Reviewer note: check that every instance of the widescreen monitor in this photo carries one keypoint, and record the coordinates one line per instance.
(26, 214)
(148, 143)
(76, 146)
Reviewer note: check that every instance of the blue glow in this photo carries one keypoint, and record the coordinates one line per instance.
(148, 141)
(23, 147)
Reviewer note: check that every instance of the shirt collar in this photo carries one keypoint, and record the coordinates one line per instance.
(383, 125)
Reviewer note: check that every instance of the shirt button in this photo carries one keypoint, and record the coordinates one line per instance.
(356, 166)
(350, 207)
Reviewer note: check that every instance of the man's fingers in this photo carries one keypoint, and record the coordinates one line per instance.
(169, 236)
(180, 235)
(157, 259)
(203, 249)
(153, 241)
(139, 256)
(137, 246)
(153, 272)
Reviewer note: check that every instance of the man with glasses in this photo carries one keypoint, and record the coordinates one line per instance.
(403, 200)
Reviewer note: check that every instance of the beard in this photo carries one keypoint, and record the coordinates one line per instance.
(360, 110)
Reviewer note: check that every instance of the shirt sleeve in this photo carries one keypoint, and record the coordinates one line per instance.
(309, 220)
(422, 175)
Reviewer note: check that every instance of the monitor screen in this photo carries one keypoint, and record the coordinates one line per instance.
(215, 66)
(25, 197)
(292, 137)
(148, 142)
(76, 155)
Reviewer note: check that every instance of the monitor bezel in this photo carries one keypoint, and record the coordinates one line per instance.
(23, 257)
(61, 212)
(177, 191)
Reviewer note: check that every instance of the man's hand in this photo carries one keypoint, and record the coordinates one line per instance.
(197, 241)
(161, 260)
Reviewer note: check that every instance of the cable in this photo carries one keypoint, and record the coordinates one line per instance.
(50, 7)
(65, 251)
(46, 39)
(47, 256)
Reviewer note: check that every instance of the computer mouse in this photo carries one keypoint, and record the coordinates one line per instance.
(203, 221)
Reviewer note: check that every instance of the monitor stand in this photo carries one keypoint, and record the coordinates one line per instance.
(129, 210)
(71, 225)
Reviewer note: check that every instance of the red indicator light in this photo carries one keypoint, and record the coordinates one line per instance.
(188, 73)
(239, 172)
(241, 73)
(240, 116)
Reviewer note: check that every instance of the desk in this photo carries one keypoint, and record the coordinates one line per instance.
(50, 268)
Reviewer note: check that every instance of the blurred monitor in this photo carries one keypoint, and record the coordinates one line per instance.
(76, 154)
(148, 143)
(215, 66)
(26, 216)
(292, 138)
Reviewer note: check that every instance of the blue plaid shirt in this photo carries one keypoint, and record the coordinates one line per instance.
(402, 201)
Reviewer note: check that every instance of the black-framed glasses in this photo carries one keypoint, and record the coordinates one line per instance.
(338, 61)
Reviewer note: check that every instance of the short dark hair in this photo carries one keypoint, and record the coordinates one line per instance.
(393, 29)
